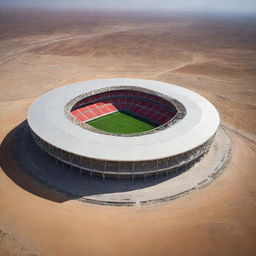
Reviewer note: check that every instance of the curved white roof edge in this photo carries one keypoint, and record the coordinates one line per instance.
(47, 119)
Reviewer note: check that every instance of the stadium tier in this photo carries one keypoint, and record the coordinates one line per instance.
(143, 105)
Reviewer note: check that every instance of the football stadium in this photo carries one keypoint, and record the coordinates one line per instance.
(124, 128)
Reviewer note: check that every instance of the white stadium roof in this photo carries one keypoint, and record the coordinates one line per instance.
(47, 119)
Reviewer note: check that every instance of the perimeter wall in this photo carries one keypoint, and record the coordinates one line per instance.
(125, 169)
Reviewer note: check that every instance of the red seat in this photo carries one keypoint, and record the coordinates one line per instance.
(135, 102)
(82, 118)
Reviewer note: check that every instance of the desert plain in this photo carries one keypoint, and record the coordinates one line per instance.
(212, 54)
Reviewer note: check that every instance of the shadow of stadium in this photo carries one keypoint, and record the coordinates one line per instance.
(34, 170)
(13, 151)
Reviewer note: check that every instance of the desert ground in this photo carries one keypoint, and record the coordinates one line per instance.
(212, 54)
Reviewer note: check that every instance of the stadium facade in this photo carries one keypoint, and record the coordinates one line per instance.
(184, 122)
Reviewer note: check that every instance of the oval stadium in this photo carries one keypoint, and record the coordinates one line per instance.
(124, 128)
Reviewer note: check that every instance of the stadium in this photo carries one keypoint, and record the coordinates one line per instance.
(124, 128)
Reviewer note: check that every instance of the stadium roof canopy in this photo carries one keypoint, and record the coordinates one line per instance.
(47, 119)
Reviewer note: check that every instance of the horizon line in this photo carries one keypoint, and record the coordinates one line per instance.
(121, 10)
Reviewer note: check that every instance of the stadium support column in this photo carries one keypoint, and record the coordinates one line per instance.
(69, 157)
(157, 169)
(177, 158)
(71, 161)
(167, 167)
(118, 176)
(133, 167)
(56, 161)
(91, 174)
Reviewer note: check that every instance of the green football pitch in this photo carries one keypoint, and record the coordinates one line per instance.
(121, 123)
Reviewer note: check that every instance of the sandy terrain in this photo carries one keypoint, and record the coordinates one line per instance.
(212, 55)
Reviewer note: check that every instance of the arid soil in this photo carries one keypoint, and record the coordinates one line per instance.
(214, 55)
